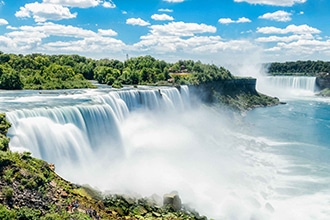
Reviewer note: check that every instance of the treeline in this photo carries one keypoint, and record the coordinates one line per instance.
(308, 68)
(40, 71)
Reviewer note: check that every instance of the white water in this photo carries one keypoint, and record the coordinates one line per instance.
(150, 141)
(287, 86)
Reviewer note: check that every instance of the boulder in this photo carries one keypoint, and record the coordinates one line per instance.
(173, 201)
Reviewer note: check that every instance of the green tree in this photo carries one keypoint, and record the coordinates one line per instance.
(9, 78)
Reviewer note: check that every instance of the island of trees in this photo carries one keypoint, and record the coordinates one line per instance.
(305, 68)
(318, 69)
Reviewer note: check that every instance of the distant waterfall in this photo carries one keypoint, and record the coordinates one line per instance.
(287, 86)
(293, 82)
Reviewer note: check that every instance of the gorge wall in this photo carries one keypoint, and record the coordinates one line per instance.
(239, 94)
(323, 81)
(205, 92)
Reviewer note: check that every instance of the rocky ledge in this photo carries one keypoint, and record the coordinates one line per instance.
(30, 189)
(239, 94)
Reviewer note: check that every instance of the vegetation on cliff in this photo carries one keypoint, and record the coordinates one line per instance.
(324, 92)
(306, 68)
(31, 190)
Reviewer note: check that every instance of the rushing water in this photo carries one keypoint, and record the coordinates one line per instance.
(270, 164)
(288, 86)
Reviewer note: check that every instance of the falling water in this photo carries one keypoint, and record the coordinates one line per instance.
(286, 86)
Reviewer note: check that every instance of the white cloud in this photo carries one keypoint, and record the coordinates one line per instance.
(273, 2)
(81, 3)
(190, 39)
(108, 4)
(162, 17)
(137, 21)
(3, 21)
(108, 32)
(181, 29)
(165, 10)
(52, 29)
(301, 29)
(243, 20)
(43, 12)
(280, 15)
(173, 1)
(229, 20)
(31, 39)
(291, 38)
(302, 47)
(74, 3)
(226, 21)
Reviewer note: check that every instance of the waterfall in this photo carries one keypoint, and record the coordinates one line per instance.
(293, 82)
(70, 134)
(287, 86)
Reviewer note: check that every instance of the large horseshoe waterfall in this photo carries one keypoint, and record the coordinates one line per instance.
(153, 140)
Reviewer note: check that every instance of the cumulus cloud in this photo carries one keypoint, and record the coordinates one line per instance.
(165, 10)
(162, 17)
(42, 12)
(3, 21)
(108, 4)
(243, 20)
(300, 29)
(57, 9)
(291, 38)
(302, 46)
(137, 22)
(192, 39)
(181, 29)
(108, 32)
(81, 3)
(229, 20)
(27, 38)
(280, 15)
(273, 2)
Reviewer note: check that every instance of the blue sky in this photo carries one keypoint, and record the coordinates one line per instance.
(213, 31)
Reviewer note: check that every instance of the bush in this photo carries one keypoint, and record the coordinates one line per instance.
(6, 214)
(25, 213)
(7, 193)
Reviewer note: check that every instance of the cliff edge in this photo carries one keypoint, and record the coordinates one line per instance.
(239, 94)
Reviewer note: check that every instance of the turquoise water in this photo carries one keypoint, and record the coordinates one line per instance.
(304, 121)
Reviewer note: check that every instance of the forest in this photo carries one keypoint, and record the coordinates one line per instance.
(306, 68)
(41, 71)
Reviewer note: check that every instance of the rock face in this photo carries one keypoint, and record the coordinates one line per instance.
(204, 92)
(238, 94)
(323, 81)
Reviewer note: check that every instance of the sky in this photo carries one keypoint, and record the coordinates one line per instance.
(213, 31)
